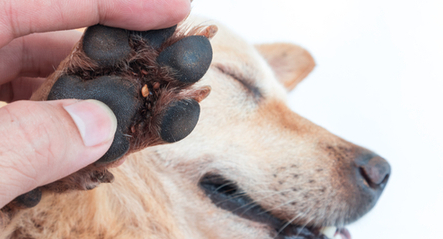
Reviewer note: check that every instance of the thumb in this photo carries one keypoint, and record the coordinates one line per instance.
(41, 142)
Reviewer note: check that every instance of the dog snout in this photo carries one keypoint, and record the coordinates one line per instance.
(375, 172)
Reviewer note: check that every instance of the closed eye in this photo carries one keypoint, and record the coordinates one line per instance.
(253, 90)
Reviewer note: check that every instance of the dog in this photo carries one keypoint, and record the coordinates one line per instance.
(251, 168)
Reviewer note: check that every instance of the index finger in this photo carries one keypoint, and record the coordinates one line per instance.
(22, 17)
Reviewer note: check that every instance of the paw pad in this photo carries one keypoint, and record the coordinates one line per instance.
(190, 58)
(155, 38)
(29, 199)
(179, 120)
(106, 45)
(116, 92)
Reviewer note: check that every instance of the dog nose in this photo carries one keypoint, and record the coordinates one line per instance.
(375, 172)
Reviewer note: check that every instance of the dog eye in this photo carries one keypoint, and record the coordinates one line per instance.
(249, 86)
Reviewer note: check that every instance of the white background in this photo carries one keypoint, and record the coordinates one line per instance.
(378, 83)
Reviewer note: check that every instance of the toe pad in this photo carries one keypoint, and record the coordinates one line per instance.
(106, 45)
(190, 58)
(179, 120)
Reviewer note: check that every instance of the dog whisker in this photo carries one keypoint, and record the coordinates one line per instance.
(281, 205)
(255, 202)
(234, 196)
(238, 195)
(224, 185)
(286, 225)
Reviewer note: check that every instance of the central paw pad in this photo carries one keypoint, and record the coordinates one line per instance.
(116, 92)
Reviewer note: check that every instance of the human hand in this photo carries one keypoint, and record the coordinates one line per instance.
(41, 142)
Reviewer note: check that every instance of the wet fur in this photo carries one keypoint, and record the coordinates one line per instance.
(296, 170)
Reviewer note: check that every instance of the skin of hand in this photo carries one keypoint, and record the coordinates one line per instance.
(41, 142)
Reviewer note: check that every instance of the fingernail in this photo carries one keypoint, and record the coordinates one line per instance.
(95, 121)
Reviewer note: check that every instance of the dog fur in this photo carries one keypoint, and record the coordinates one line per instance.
(293, 168)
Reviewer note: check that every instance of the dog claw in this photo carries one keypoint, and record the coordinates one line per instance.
(209, 31)
(190, 58)
(179, 120)
(106, 45)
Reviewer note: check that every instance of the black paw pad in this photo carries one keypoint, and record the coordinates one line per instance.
(179, 120)
(106, 45)
(117, 93)
(190, 58)
(156, 38)
(29, 199)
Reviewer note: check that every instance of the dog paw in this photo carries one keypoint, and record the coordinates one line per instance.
(146, 78)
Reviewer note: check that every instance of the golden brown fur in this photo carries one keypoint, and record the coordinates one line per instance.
(290, 166)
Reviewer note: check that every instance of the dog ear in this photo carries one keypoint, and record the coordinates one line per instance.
(291, 63)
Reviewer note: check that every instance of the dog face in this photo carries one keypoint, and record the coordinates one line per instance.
(252, 168)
